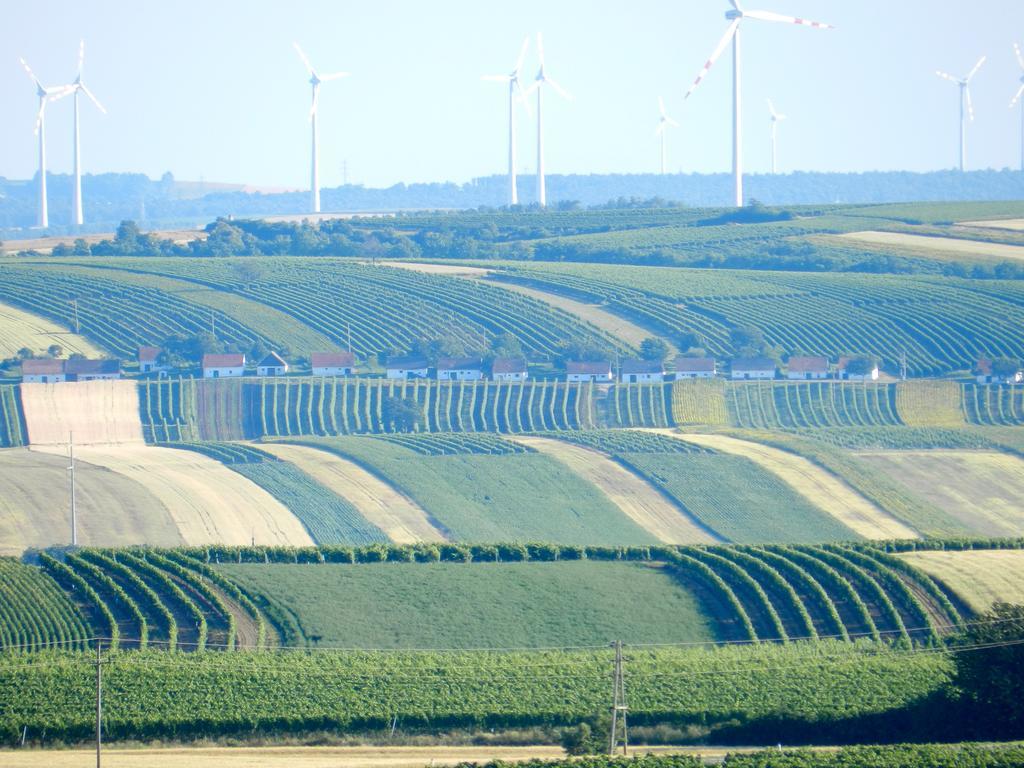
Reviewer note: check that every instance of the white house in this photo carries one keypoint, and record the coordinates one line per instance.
(695, 368)
(587, 370)
(407, 368)
(983, 374)
(81, 369)
(149, 360)
(460, 369)
(641, 371)
(272, 365)
(803, 368)
(753, 368)
(42, 371)
(332, 363)
(509, 369)
(223, 366)
(842, 373)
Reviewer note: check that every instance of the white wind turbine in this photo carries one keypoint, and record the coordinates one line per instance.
(1016, 98)
(46, 94)
(515, 91)
(732, 33)
(315, 80)
(966, 107)
(541, 80)
(663, 124)
(776, 119)
(79, 87)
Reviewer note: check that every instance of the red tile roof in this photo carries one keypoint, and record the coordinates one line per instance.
(332, 360)
(631, 365)
(753, 364)
(44, 366)
(695, 365)
(407, 363)
(807, 365)
(460, 364)
(81, 367)
(984, 366)
(149, 354)
(272, 360)
(508, 365)
(231, 360)
(588, 367)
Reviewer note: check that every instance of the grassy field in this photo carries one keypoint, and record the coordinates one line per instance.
(981, 489)
(19, 329)
(518, 497)
(825, 491)
(414, 605)
(979, 577)
(942, 248)
(113, 510)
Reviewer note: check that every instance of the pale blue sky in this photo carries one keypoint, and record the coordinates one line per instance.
(214, 89)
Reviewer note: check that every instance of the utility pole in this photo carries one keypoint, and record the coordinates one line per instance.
(74, 506)
(213, 324)
(99, 701)
(74, 304)
(619, 731)
(348, 331)
(903, 365)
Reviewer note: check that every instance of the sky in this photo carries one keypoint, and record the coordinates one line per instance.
(214, 90)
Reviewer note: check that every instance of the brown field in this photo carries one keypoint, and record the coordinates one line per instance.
(19, 328)
(820, 487)
(46, 244)
(980, 577)
(1016, 225)
(982, 489)
(402, 519)
(113, 510)
(96, 412)
(938, 247)
(207, 501)
(454, 270)
(637, 498)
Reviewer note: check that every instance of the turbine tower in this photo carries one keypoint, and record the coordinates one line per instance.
(735, 18)
(79, 87)
(776, 118)
(541, 80)
(663, 124)
(515, 89)
(966, 107)
(46, 94)
(315, 80)
(1016, 98)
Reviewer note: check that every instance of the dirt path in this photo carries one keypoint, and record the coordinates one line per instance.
(402, 519)
(823, 489)
(207, 501)
(96, 412)
(637, 498)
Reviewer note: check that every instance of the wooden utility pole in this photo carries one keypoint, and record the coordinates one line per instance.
(619, 731)
(74, 304)
(74, 504)
(99, 702)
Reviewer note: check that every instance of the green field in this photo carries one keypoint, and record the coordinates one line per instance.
(499, 605)
(513, 497)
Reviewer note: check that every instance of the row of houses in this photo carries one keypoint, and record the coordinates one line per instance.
(47, 370)
(741, 368)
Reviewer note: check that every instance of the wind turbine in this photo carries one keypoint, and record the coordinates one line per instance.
(46, 94)
(1016, 98)
(966, 107)
(735, 18)
(541, 80)
(663, 124)
(79, 87)
(776, 118)
(515, 89)
(315, 80)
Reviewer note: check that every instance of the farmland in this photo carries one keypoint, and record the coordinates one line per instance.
(20, 329)
(980, 578)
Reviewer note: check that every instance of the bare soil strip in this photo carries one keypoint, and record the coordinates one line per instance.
(207, 501)
(924, 244)
(402, 519)
(980, 577)
(453, 270)
(113, 510)
(96, 412)
(638, 499)
(1016, 225)
(19, 328)
(823, 489)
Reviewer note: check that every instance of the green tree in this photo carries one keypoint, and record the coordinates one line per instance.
(991, 678)
(861, 365)
(1005, 367)
(126, 239)
(653, 349)
(25, 354)
(55, 350)
(747, 341)
(404, 414)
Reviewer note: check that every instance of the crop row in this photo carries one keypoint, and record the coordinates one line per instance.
(12, 428)
(993, 405)
(451, 444)
(34, 613)
(618, 441)
(803, 405)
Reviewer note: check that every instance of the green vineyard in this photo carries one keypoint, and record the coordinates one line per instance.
(808, 405)
(34, 613)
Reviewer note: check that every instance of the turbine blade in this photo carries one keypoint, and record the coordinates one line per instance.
(81, 56)
(729, 32)
(970, 105)
(558, 89)
(771, 16)
(540, 49)
(771, 110)
(671, 122)
(947, 76)
(1020, 56)
(53, 94)
(522, 53)
(334, 76)
(95, 101)
(31, 74)
(305, 59)
(661, 106)
(1016, 97)
(976, 68)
